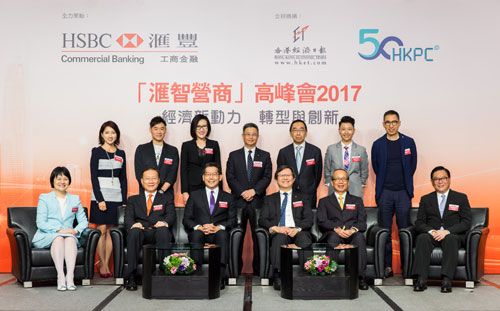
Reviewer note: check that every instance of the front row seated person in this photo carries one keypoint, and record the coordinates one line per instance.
(55, 215)
(149, 217)
(209, 215)
(342, 220)
(288, 218)
(444, 217)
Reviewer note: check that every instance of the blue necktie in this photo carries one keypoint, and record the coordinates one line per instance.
(249, 165)
(346, 158)
(442, 205)
(283, 209)
(298, 158)
(212, 202)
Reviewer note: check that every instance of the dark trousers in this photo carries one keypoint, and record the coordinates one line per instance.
(220, 238)
(248, 214)
(301, 239)
(136, 238)
(357, 239)
(390, 203)
(424, 246)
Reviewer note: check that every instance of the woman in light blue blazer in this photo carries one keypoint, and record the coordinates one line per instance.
(55, 215)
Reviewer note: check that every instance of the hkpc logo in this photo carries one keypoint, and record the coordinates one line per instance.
(396, 51)
(129, 40)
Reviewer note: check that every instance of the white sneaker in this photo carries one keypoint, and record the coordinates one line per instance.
(61, 287)
(71, 287)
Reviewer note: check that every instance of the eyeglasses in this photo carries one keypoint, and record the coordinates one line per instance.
(211, 174)
(199, 127)
(393, 123)
(440, 179)
(340, 179)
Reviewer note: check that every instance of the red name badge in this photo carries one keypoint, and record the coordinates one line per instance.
(209, 151)
(257, 163)
(74, 209)
(157, 207)
(118, 159)
(356, 159)
(297, 204)
(453, 207)
(407, 151)
(350, 207)
(168, 161)
(222, 204)
(310, 162)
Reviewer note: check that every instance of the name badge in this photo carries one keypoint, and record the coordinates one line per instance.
(157, 207)
(257, 163)
(453, 207)
(297, 204)
(310, 162)
(222, 204)
(168, 161)
(118, 159)
(74, 209)
(350, 207)
(356, 159)
(209, 151)
(407, 151)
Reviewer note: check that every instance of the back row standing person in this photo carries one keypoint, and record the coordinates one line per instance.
(394, 161)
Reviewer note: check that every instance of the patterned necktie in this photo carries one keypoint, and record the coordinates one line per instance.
(341, 202)
(249, 165)
(212, 202)
(442, 205)
(149, 203)
(346, 158)
(298, 158)
(283, 209)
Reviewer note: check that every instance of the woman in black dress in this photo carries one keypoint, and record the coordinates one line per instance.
(195, 154)
(109, 189)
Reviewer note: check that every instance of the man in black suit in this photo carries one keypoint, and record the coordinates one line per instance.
(444, 217)
(159, 154)
(342, 219)
(210, 215)
(248, 174)
(287, 217)
(306, 161)
(148, 219)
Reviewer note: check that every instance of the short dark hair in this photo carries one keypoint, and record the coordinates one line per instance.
(157, 120)
(194, 123)
(347, 119)
(212, 164)
(391, 112)
(282, 168)
(151, 168)
(339, 169)
(250, 125)
(112, 125)
(440, 168)
(297, 121)
(60, 170)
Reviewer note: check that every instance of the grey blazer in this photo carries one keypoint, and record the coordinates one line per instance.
(358, 167)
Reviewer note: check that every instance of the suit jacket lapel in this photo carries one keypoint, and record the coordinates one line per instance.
(206, 203)
(291, 154)
(335, 202)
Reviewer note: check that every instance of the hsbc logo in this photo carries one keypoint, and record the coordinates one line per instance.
(129, 40)
(102, 41)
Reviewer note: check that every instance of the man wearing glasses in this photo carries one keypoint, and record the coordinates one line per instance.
(394, 161)
(444, 216)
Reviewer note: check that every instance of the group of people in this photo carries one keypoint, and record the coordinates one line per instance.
(210, 212)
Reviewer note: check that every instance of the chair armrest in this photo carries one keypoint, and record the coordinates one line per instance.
(117, 237)
(376, 237)
(475, 248)
(407, 238)
(235, 239)
(88, 240)
(20, 250)
(263, 244)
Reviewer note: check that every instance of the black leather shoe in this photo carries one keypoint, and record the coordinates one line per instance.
(130, 284)
(446, 285)
(388, 272)
(363, 285)
(420, 285)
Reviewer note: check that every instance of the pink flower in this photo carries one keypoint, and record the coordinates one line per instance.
(194, 266)
(173, 270)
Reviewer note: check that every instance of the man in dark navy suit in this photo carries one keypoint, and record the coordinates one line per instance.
(248, 174)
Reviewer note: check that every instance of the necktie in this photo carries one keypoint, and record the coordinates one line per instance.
(442, 205)
(212, 202)
(346, 158)
(249, 165)
(298, 158)
(341, 202)
(149, 203)
(283, 209)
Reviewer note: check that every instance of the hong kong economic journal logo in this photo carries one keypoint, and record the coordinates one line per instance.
(392, 48)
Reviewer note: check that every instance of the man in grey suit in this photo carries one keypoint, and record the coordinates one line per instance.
(347, 155)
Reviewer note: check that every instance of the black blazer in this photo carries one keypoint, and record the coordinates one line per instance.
(197, 210)
(271, 211)
(457, 222)
(237, 177)
(169, 163)
(330, 216)
(193, 162)
(310, 174)
(162, 210)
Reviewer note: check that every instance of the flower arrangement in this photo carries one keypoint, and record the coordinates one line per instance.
(179, 263)
(320, 265)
